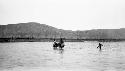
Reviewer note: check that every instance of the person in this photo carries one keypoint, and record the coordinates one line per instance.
(100, 46)
(61, 43)
(55, 43)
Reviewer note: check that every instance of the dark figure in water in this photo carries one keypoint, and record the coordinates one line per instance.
(55, 45)
(61, 43)
(100, 45)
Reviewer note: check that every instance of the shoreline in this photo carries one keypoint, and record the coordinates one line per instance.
(57, 39)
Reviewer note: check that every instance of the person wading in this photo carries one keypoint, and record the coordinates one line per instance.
(55, 45)
(100, 46)
(61, 43)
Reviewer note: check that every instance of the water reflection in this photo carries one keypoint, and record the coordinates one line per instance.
(100, 50)
(61, 51)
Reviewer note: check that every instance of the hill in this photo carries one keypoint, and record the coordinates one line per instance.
(102, 34)
(37, 30)
(32, 30)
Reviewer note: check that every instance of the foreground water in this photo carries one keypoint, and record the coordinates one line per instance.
(76, 56)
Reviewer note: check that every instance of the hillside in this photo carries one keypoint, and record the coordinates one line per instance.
(37, 30)
(102, 34)
(32, 29)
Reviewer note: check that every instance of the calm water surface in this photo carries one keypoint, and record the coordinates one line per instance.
(76, 56)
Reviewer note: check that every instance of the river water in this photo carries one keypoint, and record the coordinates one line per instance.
(76, 56)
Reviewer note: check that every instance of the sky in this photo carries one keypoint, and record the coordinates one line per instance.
(65, 14)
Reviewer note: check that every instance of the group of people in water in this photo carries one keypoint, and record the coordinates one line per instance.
(61, 44)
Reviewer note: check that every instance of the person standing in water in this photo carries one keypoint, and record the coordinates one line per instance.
(55, 44)
(54, 41)
(61, 42)
(100, 46)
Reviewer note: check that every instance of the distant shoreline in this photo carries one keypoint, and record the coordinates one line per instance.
(51, 40)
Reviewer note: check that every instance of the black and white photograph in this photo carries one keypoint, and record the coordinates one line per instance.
(62, 35)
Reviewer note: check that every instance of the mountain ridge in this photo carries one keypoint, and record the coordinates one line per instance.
(37, 30)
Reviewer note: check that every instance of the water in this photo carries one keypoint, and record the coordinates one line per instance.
(76, 56)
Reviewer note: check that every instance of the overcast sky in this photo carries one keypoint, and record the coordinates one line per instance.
(65, 14)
